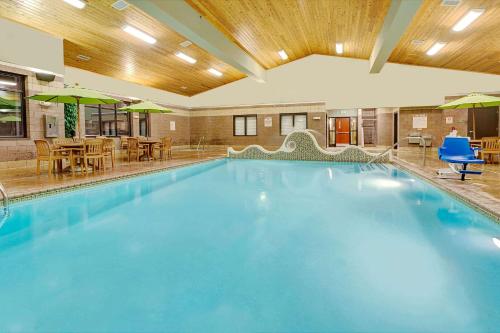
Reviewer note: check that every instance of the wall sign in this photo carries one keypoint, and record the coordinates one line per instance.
(420, 121)
(449, 120)
(172, 125)
(268, 122)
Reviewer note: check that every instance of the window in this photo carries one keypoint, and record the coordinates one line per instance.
(143, 124)
(245, 125)
(291, 122)
(106, 120)
(12, 106)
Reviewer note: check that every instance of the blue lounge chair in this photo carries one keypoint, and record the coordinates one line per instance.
(456, 150)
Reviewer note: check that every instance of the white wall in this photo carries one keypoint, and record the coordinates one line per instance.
(26, 47)
(122, 88)
(345, 83)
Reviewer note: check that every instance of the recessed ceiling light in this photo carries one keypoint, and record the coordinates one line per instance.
(470, 17)
(185, 57)
(435, 48)
(339, 48)
(184, 87)
(76, 3)
(8, 83)
(215, 72)
(185, 43)
(83, 57)
(417, 42)
(139, 34)
(283, 54)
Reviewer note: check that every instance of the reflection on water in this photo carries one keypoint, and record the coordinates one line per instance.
(246, 246)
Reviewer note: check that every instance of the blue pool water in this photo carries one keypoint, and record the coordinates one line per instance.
(251, 246)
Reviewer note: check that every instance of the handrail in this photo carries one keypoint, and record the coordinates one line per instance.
(421, 139)
(202, 139)
(5, 200)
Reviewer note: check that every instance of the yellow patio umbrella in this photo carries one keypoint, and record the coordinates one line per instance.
(74, 95)
(146, 107)
(473, 101)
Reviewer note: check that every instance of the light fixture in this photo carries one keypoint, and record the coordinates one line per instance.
(76, 3)
(435, 48)
(470, 17)
(139, 34)
(185, 57)
(496, 241)
(283, 54)
(83, 57)
(339, 48)
(215, 72)
(41, 71)
(184, 87)
(8, 83)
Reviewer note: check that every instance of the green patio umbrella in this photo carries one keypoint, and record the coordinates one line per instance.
(73, 95)
(10, 119)
(146, 107)
(473, 101)
(7, 103)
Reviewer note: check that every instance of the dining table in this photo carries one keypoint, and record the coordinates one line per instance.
(475, 143)
(150, 143)
(74, 148)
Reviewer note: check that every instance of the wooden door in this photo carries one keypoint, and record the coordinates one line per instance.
(342, 131)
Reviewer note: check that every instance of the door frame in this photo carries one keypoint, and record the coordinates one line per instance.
(335, 120)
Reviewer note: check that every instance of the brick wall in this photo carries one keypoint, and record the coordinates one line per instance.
(17, 151)
(385, 126)
(435, 122)
(216, 125)
(160, 127)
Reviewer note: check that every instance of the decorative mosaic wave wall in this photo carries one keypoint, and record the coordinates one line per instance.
(302, 146)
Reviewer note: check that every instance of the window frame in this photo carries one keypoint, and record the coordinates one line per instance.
(293, 120)
(246, 116)
(115, 109)
(24, 111)
(147, 119)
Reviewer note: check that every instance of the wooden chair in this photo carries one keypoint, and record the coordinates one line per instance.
(164, 148)
(134, 148)
(93, 151)
(490, 146)
(123, 142)
(108, 147)
(52, 155)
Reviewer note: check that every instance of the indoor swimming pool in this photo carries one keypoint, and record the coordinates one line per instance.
(251, 246)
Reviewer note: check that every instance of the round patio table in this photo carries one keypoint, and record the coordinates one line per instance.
(150, 143)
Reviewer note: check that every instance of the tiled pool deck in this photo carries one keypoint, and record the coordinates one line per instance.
(483, 191)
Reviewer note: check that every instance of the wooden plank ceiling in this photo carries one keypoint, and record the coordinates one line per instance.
(477, 48)
(300, 27)
(304, 27)
(96, 31)
(261, 28)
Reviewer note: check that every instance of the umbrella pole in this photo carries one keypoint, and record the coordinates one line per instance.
(78, 117)
(474, 123)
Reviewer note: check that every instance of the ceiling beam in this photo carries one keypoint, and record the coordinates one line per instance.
(181, 17)
(396, 21)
